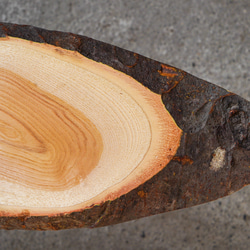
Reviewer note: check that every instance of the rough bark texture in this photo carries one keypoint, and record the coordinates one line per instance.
(209, 116)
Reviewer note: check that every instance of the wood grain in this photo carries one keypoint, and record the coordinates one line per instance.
(44, 142)
(83, 133)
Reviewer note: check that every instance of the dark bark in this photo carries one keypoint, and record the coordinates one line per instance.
(209, 116)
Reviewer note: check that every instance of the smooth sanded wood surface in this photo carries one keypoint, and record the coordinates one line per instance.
(74, 132)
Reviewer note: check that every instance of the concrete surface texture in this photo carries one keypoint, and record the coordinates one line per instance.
(209, 39)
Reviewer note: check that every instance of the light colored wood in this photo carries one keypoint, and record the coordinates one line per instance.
(74, 132)
(35, 126)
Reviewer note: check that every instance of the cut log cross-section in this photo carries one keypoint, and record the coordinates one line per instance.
(74, 132)
(93, 135)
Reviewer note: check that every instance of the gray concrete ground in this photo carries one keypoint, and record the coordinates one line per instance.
(208, 38)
